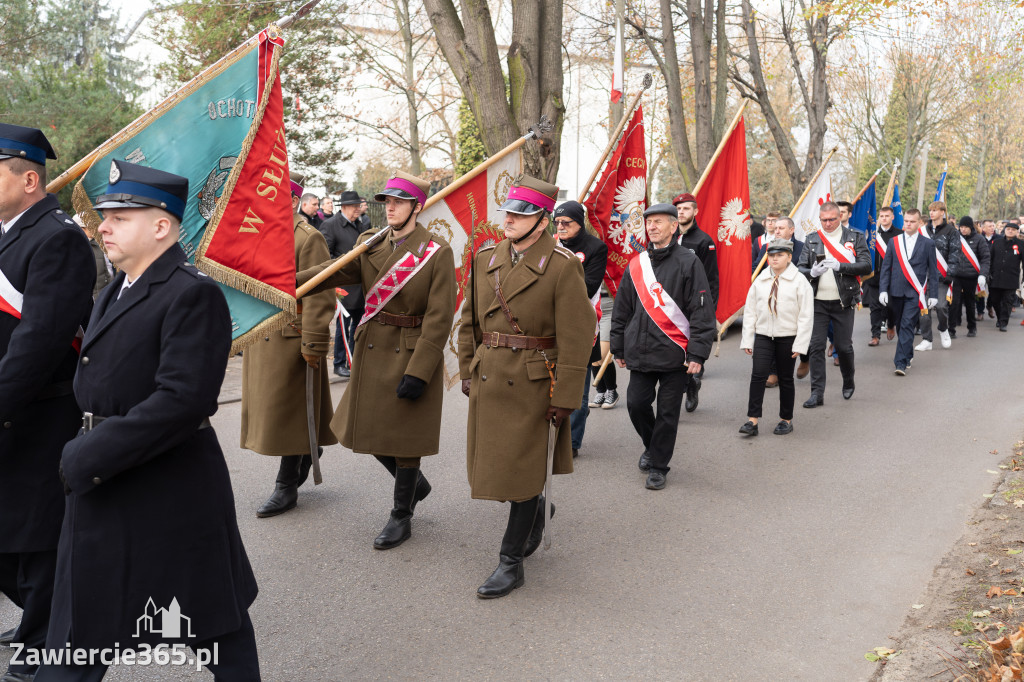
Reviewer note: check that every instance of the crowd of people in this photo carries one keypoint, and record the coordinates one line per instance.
(105, 403)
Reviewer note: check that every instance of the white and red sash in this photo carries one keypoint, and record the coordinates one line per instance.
(385, 288)
(972, 257)
(881, 247)
(12, 301)
(761, 241)
(940, 263)
(846, 254)
(909, 274)
(656, 301)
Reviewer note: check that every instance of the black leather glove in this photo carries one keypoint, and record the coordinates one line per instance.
(64, 481)
(558, 414)
(410, 387)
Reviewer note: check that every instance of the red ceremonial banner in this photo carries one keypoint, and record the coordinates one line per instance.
(615, 206)
(253, 238)
(723, 205)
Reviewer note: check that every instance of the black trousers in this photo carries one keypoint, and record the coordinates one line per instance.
(656, 430)
(842, 328)
(1002, 300)
(770, 351)
(879, 313)
(27, 580)
(964, 293)
(237, 660)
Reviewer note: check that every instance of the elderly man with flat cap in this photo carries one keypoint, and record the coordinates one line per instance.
(392, 406)
(662, 326)
(150, 522)
(46, 280)
(524, 344)
(277, 373)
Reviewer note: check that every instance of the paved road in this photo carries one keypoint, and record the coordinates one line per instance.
(764, 559)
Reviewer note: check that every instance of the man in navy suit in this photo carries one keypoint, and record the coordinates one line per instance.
(897, 288)
(46, 278)
(150, 517)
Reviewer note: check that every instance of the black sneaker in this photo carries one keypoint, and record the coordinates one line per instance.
(611, 398)
(597, 400)
(655, 481)
(645, 462)
(971, 334)
(952, 333)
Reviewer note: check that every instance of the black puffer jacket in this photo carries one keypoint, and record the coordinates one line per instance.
(982, 251)
(698, 241)
(593, 253)
(947, 242)
(634, 335)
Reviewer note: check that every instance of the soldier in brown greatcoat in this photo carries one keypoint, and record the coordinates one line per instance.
(274, 380)
(392, 406)
(523, 364)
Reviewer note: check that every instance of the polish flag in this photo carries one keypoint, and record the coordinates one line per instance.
(617, 67)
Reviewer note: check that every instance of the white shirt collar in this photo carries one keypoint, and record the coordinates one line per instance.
(8, 224)
(126, 284)
(910, 241)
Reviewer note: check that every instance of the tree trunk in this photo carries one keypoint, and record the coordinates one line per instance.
(721, 74)
(409, 74)
(700, 53)
(676, 109)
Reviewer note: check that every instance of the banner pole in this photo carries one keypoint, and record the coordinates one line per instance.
(721, 146)
(197, 81)
(887, 199)
(613, 140)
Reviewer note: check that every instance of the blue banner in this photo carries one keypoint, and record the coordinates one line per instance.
(863, 217)
(897, 207)
(940, 193)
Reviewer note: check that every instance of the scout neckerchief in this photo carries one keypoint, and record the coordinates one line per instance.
(385, 288)
(657, 303)
(845, 254)
(12, 301)
(908, 271)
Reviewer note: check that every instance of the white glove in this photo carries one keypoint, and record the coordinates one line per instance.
(818, 269)
(982, 281)
(831, 263)
(932, 302)
(883, 298)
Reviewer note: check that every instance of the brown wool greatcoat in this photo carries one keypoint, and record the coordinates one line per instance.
(506, 452)
(371, 418)
(274, 371)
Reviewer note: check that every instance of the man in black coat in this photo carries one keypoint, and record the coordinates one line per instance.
(1007, 259)
(150, 522)
(974, 256)
(884, 233)
(947, 245)
(46, 280)
(698, 241)
(662, 327)
(593, 253)
(341, 232)
(834, 259)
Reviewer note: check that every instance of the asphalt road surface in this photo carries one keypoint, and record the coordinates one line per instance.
(772, 558)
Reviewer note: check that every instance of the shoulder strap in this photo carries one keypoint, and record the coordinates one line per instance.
(504, 304)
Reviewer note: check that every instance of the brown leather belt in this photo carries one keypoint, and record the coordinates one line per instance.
(90, 420)
(399, 320)
(496, 340)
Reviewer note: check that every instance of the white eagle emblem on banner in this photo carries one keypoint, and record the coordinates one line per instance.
(630, 228)
(735, 221)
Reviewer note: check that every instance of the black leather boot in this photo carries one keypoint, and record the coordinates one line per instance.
(537, 534)
(306, 465)
(422, 486)
(286, 492)
(509, 573)
(399, 525)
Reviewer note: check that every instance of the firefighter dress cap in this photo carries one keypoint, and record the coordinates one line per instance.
(404, 186)
(529, 196)
(134, 186)
(19, 142)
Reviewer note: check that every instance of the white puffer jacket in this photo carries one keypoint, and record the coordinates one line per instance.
(796, 309)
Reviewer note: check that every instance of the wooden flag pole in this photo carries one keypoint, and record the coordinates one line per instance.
(792, 213)
(543, 126)
(887, 199)
(172, 100)
(721, 146)
(604, 365)
(865, 188)
(613, 140)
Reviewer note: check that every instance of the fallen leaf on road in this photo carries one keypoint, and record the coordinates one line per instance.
(969, 572)
(972, 544)
(880, 653)
(1010, 593)
(993, 452)
(1014, 551)
(1000, 644)
(994, 564)
(989, 471)
(1018, 503)
(1006, 570)
(993, 592)
(989, 496)
(982, 614)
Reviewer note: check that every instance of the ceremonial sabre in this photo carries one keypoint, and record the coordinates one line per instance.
(552, 434)
(311, 423)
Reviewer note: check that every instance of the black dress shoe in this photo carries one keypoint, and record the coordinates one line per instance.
(655, 480)
(749, 429)
(952, 333)
(575, 453)
(971, 334)
(814, 401)
(847, 392)
(783, 427)
(398, 528)
(8, 637)
(645, 462)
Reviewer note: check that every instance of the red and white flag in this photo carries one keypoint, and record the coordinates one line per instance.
(723, 204)
(615, 206)
(617, 73)
(468, 219)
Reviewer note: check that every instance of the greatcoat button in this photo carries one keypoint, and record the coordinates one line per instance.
(483, 378)
(509, 382)
(8, 425)
(85, 360)
(97, 480)
(490, 314)
(369, 345)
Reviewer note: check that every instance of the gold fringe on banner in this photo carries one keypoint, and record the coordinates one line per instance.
(272, 324)
(83, 207)
(234, 279)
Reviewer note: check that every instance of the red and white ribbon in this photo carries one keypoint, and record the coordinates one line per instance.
(12, 301)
